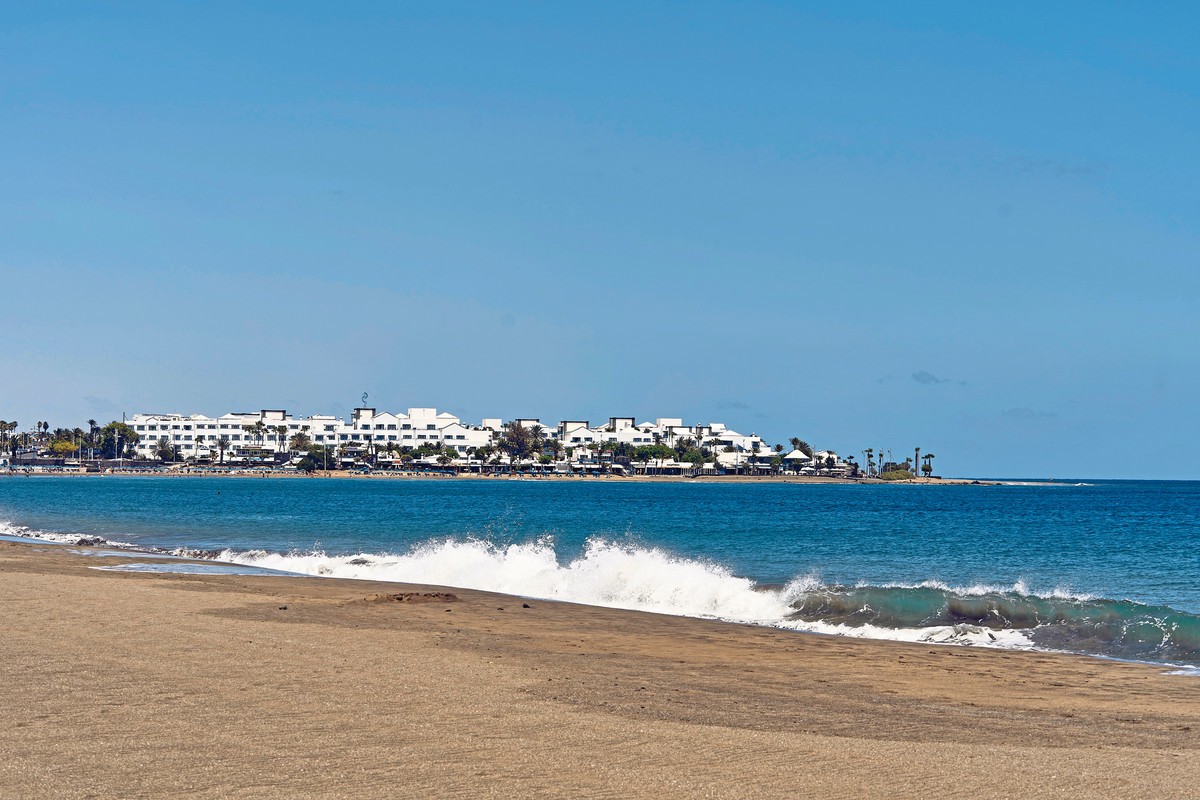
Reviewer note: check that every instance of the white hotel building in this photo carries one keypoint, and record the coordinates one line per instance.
(197, 436)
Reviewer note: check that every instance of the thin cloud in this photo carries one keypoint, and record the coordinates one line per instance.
(99, 405)
(926, 378)
(734, 404)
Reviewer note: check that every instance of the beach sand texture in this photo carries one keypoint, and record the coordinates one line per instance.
(151, 685)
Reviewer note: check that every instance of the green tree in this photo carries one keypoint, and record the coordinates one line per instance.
(517, 440)
(164, 451)
(117, 440)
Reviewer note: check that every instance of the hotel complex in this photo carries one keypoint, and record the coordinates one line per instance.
(268, 433)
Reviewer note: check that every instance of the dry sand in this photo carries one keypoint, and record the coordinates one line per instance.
(136, 685)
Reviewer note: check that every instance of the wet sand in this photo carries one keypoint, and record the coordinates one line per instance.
(148, 685)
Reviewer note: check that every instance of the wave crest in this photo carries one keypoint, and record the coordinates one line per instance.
(606, 574)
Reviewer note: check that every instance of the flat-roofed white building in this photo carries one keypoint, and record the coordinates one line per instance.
(264, 434)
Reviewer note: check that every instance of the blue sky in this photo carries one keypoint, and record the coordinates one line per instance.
(967, 227)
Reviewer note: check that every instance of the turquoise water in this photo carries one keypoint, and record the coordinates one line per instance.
(1108, 568)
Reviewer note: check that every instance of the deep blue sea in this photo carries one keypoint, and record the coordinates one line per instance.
(1100, 567)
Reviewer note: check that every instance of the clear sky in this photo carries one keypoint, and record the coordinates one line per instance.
(965, 226)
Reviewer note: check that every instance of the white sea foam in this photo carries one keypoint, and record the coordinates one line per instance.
(612, 575)
(606, 574)
(936, 634)
(638, 578)
(1191, 672)
(15, 531)
(1018, 587)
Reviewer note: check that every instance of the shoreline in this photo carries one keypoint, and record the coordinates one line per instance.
(324, 687)
(382, 475)
(211, 561)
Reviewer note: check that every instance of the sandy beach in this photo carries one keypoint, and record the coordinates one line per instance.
(148, 685)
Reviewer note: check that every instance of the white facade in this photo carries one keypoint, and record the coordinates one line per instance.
(265, 433)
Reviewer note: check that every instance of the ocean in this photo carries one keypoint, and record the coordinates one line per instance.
(1105, 568)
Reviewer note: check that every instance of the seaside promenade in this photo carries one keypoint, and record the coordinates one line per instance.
(150, 685)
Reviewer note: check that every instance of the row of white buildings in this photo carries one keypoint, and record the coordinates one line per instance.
(271, 431)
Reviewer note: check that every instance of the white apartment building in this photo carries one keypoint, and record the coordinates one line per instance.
(269, 431)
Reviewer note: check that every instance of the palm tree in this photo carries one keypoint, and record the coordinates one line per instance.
(164, 451)
(300, 442)
(927, 468)
(916, 461)
(281, 436)
(223, 445)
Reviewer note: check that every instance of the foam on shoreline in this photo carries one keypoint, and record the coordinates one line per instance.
(613, 575)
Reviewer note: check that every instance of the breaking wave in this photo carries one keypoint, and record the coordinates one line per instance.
(650, 579)
(641, 578)
(15, 531)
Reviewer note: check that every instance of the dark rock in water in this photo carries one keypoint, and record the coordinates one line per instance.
(187, 552)
(360, 562)
(89, 541)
